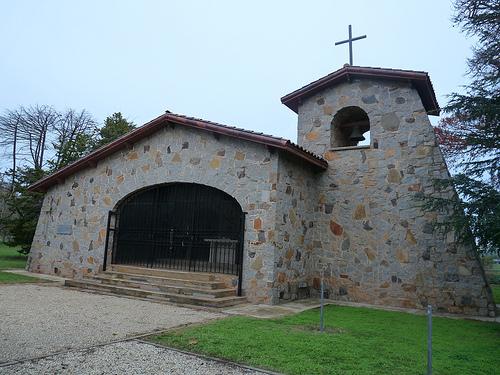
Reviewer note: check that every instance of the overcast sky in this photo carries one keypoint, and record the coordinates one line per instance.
(225, 61)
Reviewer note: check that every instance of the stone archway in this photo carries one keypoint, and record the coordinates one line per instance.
(181, 226)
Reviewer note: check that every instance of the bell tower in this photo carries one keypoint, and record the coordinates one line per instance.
(360, 107)
(373, 242)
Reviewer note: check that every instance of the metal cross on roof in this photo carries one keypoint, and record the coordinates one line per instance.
(350, 40)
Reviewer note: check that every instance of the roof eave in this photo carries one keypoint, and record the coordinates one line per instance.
(228, 131)
(321, 164)
(92, 158)
(152, 126)
(293, 99)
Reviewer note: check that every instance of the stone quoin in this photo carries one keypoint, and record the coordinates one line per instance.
(324, 207)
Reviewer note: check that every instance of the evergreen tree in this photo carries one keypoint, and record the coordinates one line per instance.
(23, 209)
(470, 135)
(114, 127)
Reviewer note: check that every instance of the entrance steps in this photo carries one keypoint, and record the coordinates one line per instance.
(190, 288)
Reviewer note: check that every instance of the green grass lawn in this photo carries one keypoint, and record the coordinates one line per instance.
(495, 269)
(11, 278)
(357, 341)
(493, 273)
(496, 292)
(10, 258)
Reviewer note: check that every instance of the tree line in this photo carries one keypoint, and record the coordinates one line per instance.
(38, 140)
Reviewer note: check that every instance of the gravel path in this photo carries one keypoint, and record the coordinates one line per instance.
(127, 357)
(37, 320)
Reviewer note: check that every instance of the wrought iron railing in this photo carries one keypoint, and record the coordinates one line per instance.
(180, 250)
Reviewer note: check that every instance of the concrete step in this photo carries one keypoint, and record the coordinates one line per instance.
(164, 280)
(168, 273)
(158, 296)
(164, 286)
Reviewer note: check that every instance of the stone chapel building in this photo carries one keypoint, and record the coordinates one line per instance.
(198, 212)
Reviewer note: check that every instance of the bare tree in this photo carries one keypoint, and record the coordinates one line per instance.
(9, 130)
(39, 139)
(37, 135)
(74, 135)
(35, 125)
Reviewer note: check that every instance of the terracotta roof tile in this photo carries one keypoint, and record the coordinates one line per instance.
(251, 132)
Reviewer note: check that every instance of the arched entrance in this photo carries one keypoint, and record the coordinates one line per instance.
(181, 226)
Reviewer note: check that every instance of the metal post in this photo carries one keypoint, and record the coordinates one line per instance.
(116, 233)
(350, 45)
(240, 252)
(321, 323)
(108, 229)
(429, 340)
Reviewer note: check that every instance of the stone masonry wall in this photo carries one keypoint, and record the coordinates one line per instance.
(294, 229)
(245, 170)
(371, 238)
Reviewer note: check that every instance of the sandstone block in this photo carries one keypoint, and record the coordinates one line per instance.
(133, 155)
(394, 176)
(257, 224)
(336, 228)
(370, 253)
(215, 163)
(176, 158)
(359, 212)
(402, 255)
(410, 237)
(312, 136)
(239, 156)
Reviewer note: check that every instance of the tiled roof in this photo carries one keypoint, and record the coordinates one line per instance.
(265, 137)
(420, 80)
(151, 127)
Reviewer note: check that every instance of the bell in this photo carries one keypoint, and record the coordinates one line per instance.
(356, 135)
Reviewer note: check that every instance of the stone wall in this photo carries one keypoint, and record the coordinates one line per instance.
(245, 170)
(371, 238)
(294, 229)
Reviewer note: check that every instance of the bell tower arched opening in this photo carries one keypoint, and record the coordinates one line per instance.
(350, 127)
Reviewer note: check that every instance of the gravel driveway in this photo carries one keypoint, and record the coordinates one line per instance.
(37, 320)
(126, 357)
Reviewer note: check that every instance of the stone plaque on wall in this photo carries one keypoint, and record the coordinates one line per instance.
(64, 229)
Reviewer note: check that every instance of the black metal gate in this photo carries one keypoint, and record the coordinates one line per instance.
(180, 226)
